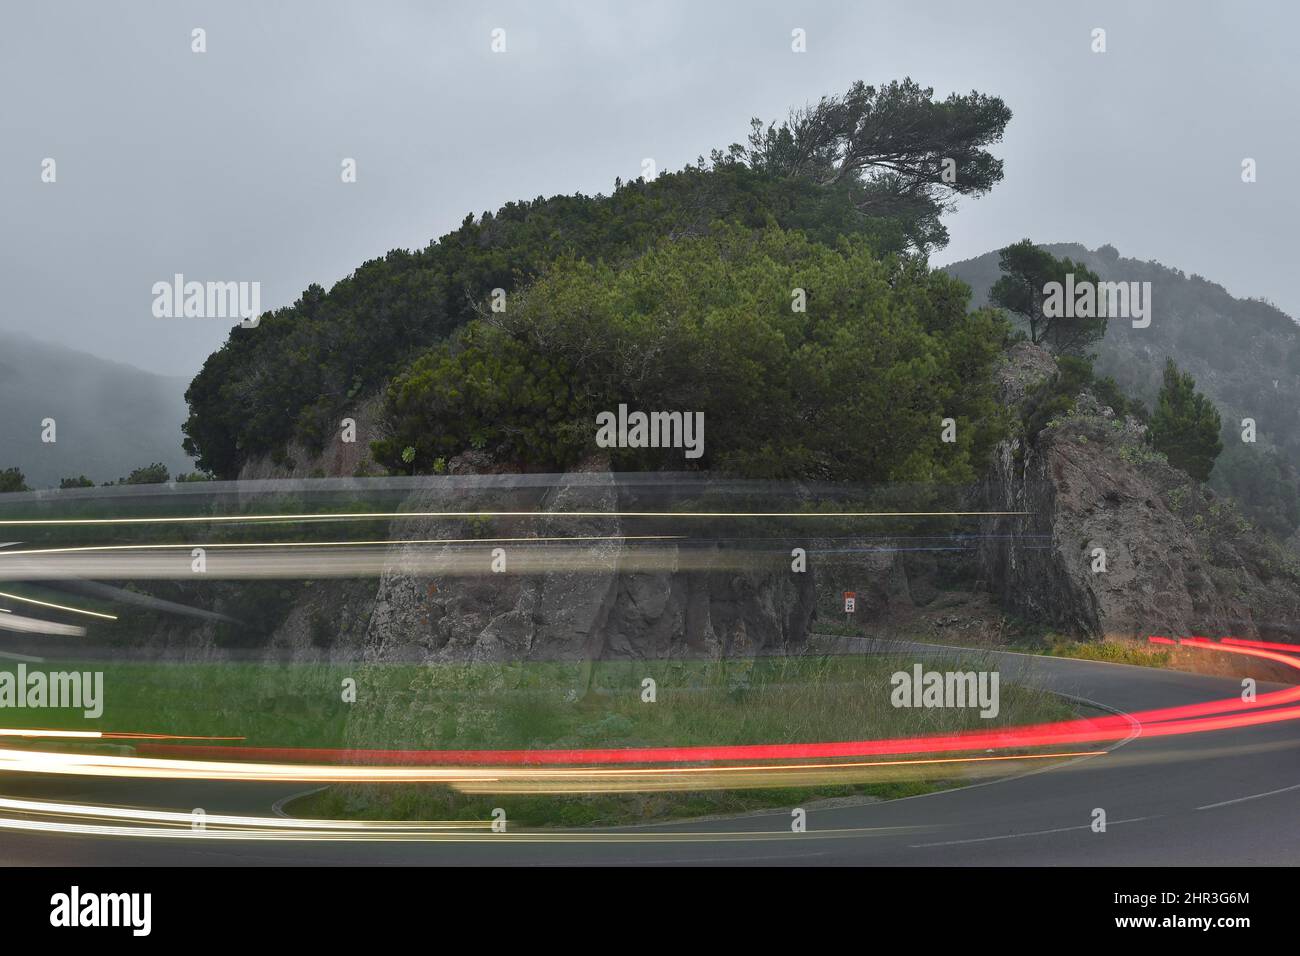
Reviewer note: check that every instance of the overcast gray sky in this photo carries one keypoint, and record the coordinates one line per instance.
(225, 165)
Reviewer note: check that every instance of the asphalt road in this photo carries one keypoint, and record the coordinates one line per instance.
(1226, 797)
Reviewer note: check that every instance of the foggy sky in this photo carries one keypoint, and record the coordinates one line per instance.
(225, 165)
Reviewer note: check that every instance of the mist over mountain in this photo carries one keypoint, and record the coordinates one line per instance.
(110, 417)
(1243, 353)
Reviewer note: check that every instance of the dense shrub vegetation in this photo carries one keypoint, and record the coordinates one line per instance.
(856, 384)
(298, 372)
(873, 164)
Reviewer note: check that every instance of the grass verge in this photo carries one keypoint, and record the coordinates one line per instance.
(1115, 652)
(553, 705)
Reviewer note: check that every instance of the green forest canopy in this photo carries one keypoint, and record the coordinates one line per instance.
(829, 171)
(855, 386)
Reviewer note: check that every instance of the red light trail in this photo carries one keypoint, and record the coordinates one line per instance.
(1191, 718)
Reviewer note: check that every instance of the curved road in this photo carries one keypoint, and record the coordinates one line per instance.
(1226, 797)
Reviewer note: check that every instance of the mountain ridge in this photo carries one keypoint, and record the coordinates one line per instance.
(110, 417)
(1243, 353)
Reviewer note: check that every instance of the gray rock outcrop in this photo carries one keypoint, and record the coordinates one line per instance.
(1178, 560)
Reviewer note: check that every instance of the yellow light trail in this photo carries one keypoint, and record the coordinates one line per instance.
(102, 735)
(395, 515)
(218, 819)
(313, 559)
(58, 607)
(170, 824)
(383, 836)
(84, 549)
(103, 765)
(35, 625)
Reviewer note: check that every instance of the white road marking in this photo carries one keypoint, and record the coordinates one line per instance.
(1253, 796)
(1015, 836)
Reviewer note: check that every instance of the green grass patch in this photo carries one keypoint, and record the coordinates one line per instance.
(1114, 652)
(525, 705)
(429, 802)
(548, 705)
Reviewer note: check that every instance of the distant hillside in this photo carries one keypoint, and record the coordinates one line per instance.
(111, 417)
(1243, 353)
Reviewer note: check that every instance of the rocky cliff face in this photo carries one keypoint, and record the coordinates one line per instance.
(604, 597)
(1177, 559)
(609, 608)
(1243, 353)
(607, 594)
(1115, 542)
